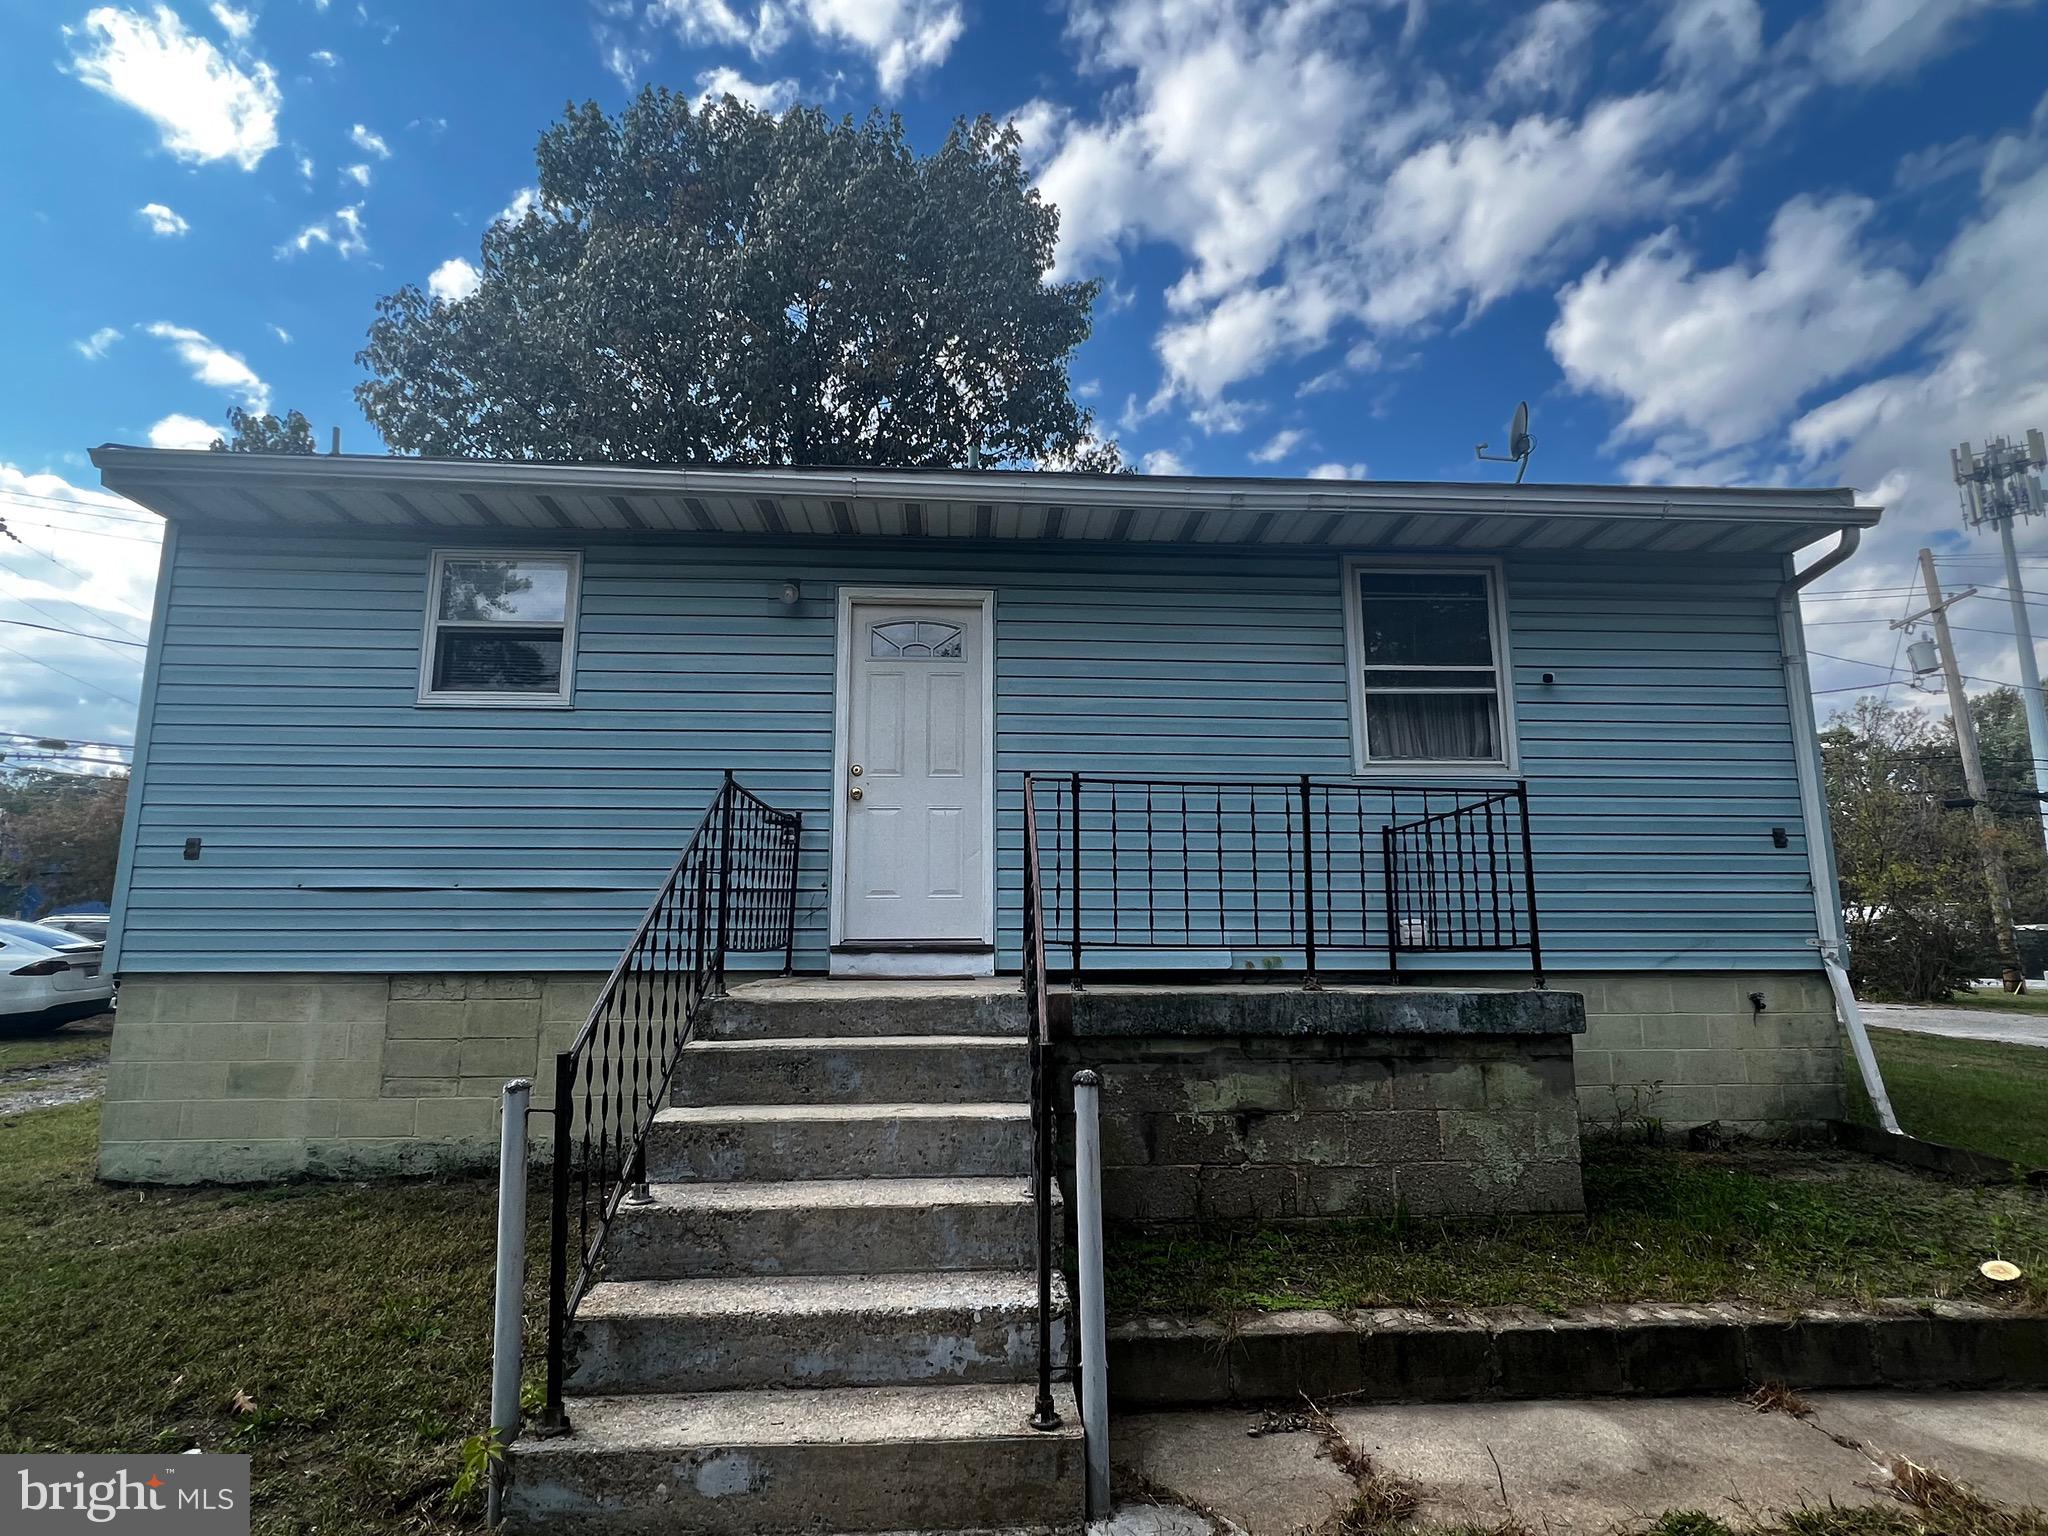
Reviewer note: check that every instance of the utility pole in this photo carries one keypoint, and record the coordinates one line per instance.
(1973, 775)
(1999, 486)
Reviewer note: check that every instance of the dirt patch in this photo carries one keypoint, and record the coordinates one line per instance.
(65, 1066)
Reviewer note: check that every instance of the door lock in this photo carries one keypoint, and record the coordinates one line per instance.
(856, 770)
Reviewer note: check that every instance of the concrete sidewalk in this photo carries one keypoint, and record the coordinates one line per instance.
(1587, 1466)
(2013, 1028)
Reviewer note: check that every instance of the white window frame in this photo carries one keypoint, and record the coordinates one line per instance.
(561, 698)
(1503, 664)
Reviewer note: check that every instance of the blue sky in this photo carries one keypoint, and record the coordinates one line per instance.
(1708, 240)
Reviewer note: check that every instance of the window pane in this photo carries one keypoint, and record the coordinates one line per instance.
(916, 639)
(1432, 728)
(1425, 618)
(511, 591)
(498, 661)
(1436, 680)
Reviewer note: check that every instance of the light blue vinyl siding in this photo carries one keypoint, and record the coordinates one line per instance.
(345, 828)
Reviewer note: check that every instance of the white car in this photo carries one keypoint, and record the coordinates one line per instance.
(49, 977)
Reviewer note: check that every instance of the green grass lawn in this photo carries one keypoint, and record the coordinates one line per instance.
(1775, 1227)
(1965, 1093)
(1991, 1000)
(339, 1333)
(85, 1040)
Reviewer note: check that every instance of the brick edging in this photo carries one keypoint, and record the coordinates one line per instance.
(1648, 1349)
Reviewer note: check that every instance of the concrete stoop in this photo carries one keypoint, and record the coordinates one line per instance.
(826, 1318)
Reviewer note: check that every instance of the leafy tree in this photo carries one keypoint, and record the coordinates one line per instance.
(1913, 897)
(60, 836)
(266, 434)
(723, 285)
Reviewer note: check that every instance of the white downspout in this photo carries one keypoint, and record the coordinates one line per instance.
(1820, 860)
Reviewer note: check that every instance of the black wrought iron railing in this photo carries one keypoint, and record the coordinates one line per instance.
(1044, 1415)
(733, 891)
(1278, 873)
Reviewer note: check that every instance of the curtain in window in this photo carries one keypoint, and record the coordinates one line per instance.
(1431, 727)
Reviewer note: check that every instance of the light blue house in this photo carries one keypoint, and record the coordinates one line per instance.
(419, 739)
(451, 772)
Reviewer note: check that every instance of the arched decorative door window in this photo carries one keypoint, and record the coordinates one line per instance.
(916, 640)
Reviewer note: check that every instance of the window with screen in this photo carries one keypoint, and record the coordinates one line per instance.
(501, 629)
(1427, 675)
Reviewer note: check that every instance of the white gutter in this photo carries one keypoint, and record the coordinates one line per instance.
(134, 470)
(1813, 805)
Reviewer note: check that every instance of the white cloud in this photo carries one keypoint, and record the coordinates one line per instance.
(214, 365)
(306, 167)
(205, 105)
(1725, 354)
(359, 174)
(325, 58)
(767, 95)
(1712, 36)
(524, 201)
(182, 432)
(1162, 461)
(1478, 215)
(1316, 186)
(901, 37)
(1867, 40)
(369, 143)
(97, 570)
(237, 24)
(1337, 472)
(1279, 445)
(161, 220)
(283, 335)
(1548, 57)
(94, 347)
(699, 22)
(454, 280)
(343, 230)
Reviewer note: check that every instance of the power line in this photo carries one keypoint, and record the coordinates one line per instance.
(41, 502)
(25, 656)
(35, 607)
(12, 518)
(52, 629)
(69, 741)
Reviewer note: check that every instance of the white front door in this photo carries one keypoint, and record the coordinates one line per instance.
(914, 789)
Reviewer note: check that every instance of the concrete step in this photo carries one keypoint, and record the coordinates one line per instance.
(810, 1007)
(810, 1331)
(824, 1227)
(839, 1459)
(840, 1141)
(887, 1069)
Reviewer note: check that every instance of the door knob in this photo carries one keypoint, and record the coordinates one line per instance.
(856, 792)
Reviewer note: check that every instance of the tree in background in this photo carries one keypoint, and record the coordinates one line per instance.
(266, 434)
(1913, 899)
(60, 837)
(722, 285)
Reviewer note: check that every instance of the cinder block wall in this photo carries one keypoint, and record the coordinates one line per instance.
(1272, 1129)
(241, 1078)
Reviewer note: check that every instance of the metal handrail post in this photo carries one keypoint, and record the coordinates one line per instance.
(553, 1420)
(1074, 971)
(509, 1303)
(1312, 982)
(796, 848)
(1529, 883)
(724, 882)
(1094, 1349)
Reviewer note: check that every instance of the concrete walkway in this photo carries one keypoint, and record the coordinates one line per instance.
(1960, 1023)
(1582, 1467)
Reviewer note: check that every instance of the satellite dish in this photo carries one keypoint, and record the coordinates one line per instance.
(1520, 444)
